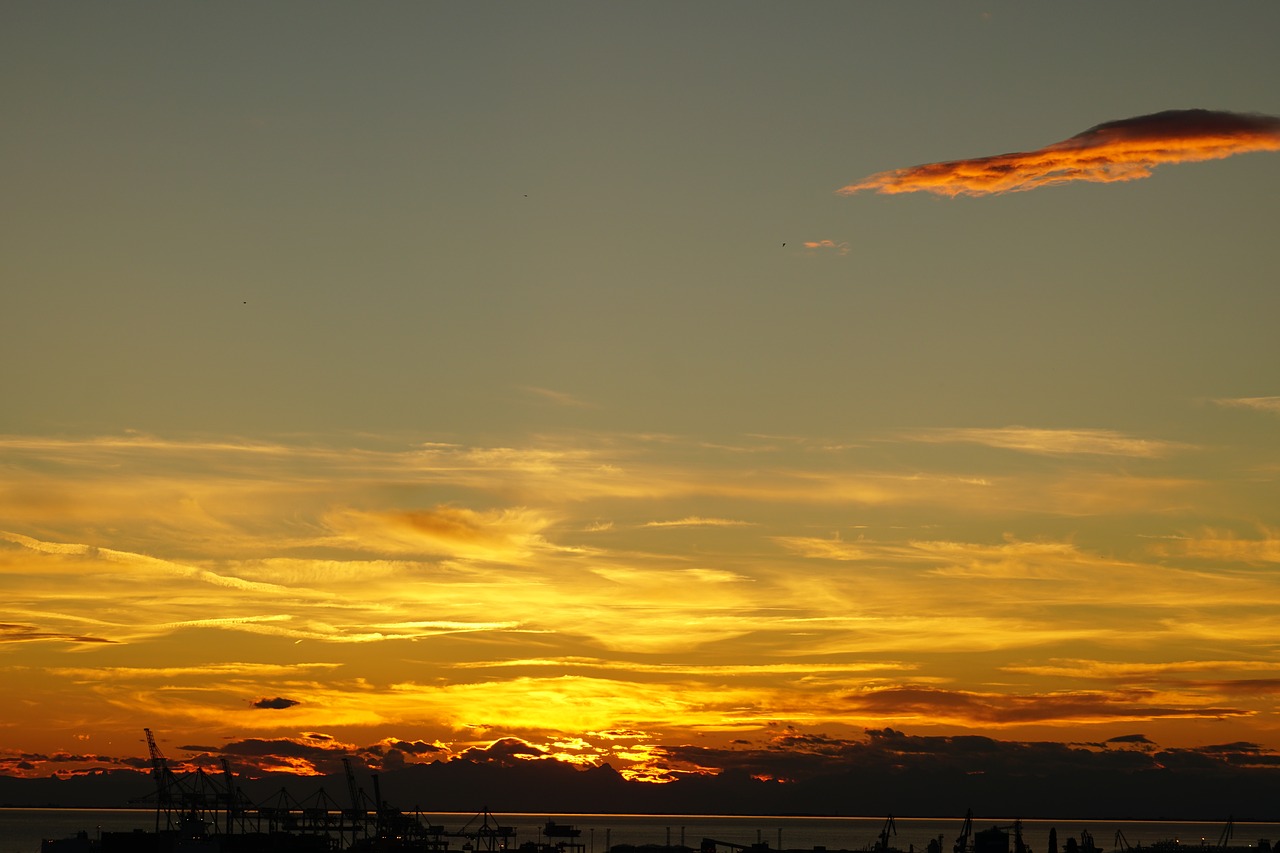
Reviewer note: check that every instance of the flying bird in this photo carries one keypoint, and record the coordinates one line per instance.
(1123, 150)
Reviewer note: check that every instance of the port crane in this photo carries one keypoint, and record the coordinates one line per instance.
(186, 803)
(1084, 845)
(195, 805)
(359, 811)
(489, 836)
(235, 802)
(161, 775)
(1225, 838)
(966, 833)
(882, 841)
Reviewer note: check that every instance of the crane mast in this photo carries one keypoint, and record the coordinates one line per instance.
(962, 843)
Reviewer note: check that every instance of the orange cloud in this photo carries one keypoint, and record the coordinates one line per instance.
(841, 248)
(1123, 150)
(445, 530)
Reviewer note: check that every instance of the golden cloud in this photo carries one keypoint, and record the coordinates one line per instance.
(1123, 150)
(828, 549)
(444, 530)
(321, 556)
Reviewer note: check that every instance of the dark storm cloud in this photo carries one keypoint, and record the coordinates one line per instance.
(66, 758)
(280, 747)
(970, 707)
(797, 757)
(316, 752)
(506, 751)
(1122, 150)
(306, 754)
(1237, 746)
(889, 771)
(414, 747)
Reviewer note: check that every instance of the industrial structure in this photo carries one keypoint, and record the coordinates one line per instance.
(201, 812)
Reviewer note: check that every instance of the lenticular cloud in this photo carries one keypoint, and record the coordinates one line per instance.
(1123, 150)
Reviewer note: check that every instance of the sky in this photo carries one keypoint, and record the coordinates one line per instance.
(636, 383)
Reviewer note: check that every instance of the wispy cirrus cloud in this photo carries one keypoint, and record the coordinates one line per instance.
(1122, 150)
(1102, 442)
(141, 562)
(834, 548)
(230, 671)
(1260, 404)
(698, 521)
(561, 398)
(768, 670)
(1224, 546)
(1136, 671)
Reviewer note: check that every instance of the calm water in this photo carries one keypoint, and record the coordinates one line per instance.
(22, 829)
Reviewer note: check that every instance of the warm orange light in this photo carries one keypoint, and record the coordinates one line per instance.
(1124, 150)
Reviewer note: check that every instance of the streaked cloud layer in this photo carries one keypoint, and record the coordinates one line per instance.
(597, 583)
(1122, 150)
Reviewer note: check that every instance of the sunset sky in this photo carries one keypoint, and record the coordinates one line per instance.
(418, 375)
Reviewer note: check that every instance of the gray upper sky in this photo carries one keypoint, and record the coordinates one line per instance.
(283, 217)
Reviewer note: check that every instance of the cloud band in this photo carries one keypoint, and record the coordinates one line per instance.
(1123, 150)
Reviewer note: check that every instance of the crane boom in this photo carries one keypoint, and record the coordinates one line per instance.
(1225, 838)
(231, 793)
(962, 843)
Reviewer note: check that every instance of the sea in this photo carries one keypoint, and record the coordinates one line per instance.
(21, 830)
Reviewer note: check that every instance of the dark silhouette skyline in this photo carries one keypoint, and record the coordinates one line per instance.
(889, 773)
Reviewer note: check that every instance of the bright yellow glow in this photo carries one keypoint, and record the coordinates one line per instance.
(592, 618)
